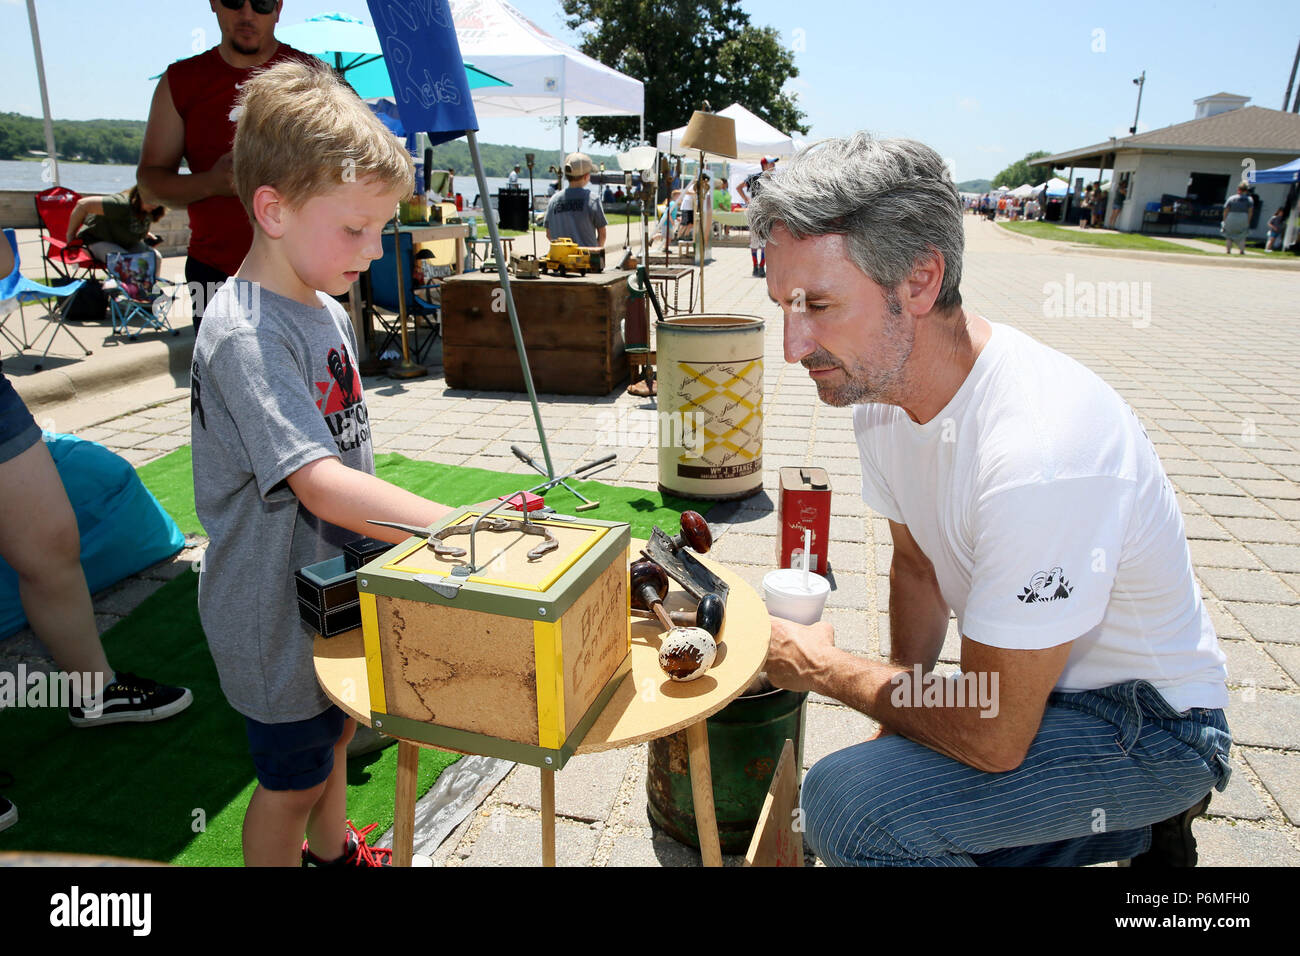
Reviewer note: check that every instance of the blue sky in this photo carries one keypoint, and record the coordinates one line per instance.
(983, 83)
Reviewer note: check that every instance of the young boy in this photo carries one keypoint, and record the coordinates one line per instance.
(283, 461)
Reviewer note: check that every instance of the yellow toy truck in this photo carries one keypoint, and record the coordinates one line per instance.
(566, 256)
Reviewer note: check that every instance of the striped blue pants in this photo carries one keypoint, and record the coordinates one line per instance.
(1105, 765)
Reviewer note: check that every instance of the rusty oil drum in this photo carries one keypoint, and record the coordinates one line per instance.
(745, 742)
(710, 378)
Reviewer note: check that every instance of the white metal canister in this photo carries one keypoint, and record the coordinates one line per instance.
(710, 381)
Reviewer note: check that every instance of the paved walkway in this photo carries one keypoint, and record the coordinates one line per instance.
(1206, 356)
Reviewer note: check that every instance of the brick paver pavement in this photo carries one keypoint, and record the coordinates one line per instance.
(1207, 355)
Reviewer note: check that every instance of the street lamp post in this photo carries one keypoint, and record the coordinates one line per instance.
(1139, 82)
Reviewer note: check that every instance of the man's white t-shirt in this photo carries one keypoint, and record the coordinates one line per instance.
(1044, 508)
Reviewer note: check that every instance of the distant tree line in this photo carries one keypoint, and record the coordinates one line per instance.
(94, 141)
(1020, 172)
(118, 142)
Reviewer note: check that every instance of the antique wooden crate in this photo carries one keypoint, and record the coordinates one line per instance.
(327, 596)
(514, 661)
(572, 328)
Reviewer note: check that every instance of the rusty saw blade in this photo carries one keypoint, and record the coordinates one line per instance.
(683, 568)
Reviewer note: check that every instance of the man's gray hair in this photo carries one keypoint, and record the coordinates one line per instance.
(892, 199)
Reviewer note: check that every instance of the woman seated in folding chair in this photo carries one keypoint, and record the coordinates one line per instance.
(116, 223)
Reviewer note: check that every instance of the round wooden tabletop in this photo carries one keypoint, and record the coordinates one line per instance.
(647, 703)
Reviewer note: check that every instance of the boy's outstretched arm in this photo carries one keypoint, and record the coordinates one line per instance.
(346, 497)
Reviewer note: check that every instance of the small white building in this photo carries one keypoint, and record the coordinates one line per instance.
(1199, 163)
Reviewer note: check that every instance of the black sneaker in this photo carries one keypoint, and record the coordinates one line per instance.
(132, 699)
(1172, 843)
(755, 272)
(8, 812)
(762, 272)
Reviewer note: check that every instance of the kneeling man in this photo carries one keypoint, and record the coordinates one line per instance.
(1024, 495)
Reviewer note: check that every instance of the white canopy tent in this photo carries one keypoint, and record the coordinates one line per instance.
(547, 77)
(754, 138)
(1023, 191)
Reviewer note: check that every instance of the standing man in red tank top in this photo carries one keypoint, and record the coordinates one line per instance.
(190, 119)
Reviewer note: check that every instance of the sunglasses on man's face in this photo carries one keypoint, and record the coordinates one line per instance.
(259, 6)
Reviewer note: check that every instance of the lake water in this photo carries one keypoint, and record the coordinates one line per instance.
(90, 179)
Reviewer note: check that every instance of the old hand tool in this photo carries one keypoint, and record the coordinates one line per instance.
(587, 504)
(490, 524)
(589, 467)
(708, 615)
(686, 652)
(672, 555)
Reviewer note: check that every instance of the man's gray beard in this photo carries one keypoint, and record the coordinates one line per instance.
(859, 389)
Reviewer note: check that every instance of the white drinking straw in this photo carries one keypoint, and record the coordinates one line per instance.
(807, 544)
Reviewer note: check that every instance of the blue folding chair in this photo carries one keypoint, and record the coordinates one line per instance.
(420, 307)
(17, 288)
(140, 294)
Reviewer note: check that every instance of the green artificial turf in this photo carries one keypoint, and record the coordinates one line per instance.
(171, 791)
(171, 480)
(177, 790)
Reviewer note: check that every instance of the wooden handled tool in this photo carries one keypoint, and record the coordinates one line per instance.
(649, 586)
(708, 615)
(695, 533)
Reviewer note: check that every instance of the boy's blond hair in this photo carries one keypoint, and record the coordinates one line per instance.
(304, 131)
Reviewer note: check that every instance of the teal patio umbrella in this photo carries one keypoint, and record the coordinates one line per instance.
(352, 47)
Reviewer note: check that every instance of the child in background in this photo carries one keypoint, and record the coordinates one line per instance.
(1276, 226)
(283, 460)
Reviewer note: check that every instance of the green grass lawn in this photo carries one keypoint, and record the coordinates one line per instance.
(1105, 239)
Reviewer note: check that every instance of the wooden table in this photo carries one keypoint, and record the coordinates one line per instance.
(662, 275)
(434, 232)
(572, 328)
(360, 308)
(646, 705)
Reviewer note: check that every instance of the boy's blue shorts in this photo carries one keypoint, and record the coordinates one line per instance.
(297, 755)
(18, 430)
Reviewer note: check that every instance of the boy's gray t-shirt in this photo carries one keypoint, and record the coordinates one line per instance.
(274, 386)
(576, 214)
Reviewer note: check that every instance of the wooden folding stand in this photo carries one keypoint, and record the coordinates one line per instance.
(639, 703)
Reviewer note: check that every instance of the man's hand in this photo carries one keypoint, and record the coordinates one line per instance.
(798, 652)
(222, 175)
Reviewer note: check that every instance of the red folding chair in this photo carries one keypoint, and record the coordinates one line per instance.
(71, 260)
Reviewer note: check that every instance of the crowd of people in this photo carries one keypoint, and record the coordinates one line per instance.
(1004, 206)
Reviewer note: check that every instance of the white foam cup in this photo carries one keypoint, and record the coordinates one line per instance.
(786, 596)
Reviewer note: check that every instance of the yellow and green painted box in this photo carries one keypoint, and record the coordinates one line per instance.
(515, 661)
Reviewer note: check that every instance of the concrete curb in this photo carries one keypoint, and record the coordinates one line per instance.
(110, 367)
(1182, 258)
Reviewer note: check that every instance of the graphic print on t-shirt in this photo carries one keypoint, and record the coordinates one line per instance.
(340, 400)
(1046, 586)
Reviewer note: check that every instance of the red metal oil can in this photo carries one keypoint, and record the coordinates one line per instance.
(803, 502)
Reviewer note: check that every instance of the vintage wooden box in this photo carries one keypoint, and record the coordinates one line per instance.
(514, 661)
(572, 328)
(327, 596)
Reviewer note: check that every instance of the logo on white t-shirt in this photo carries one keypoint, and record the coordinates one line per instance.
(1046, 586)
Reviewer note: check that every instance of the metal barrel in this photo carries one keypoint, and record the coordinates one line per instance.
(710, 406)
(745, 741)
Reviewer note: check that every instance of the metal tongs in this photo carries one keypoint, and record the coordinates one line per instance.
(495, 524)
(498, 524)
